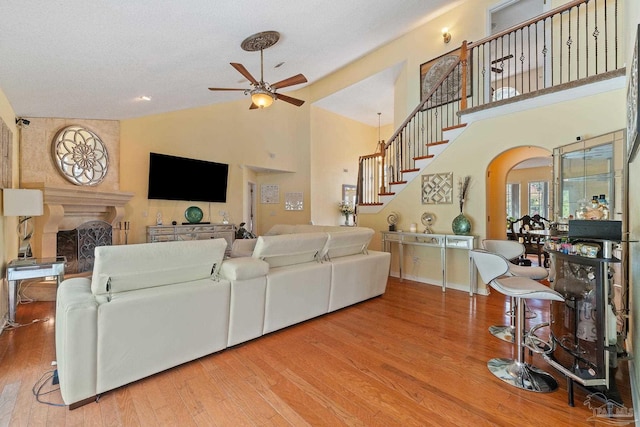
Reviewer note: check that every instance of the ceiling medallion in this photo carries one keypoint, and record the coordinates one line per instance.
(80, 155)
(260, 41)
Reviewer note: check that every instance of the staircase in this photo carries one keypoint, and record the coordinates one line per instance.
(569, 45)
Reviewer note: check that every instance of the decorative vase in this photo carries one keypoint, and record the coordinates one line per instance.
(346, 219)
(461, 225)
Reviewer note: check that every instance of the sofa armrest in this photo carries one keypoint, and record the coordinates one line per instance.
(76, 339)
(243, 268)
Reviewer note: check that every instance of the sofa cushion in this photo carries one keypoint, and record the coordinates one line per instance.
(344, 243)
(146, 265)
(279, 229)
(289, 249)
(243, 268)
(242, 248)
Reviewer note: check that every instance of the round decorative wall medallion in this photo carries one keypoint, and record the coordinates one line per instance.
(80, 155)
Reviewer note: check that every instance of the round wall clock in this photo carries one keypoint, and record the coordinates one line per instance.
(80, 156)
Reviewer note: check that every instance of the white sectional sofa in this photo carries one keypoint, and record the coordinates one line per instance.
(152, 306)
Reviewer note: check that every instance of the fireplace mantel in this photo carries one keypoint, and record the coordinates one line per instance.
(67, 208)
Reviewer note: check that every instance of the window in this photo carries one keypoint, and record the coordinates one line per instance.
(513, 200)
(539, 198)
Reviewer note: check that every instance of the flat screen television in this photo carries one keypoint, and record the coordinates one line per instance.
(180, 178)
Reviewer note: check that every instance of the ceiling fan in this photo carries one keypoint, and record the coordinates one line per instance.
(262, 93)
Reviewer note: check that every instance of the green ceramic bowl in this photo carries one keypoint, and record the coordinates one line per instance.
(193, 214)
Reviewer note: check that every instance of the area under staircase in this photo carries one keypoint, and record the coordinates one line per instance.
(567, 46)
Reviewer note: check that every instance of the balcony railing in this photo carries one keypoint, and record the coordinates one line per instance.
(572, 43)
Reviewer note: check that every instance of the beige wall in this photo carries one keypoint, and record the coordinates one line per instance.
(336, 144)
(8, 233)
(276, 139)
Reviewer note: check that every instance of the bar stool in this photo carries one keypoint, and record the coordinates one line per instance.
(512, 249)
(492, 268)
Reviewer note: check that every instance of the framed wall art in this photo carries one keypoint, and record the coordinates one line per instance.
(293, 201)
(437, 188)
(432, 71)
(270, 194)
(633, 117)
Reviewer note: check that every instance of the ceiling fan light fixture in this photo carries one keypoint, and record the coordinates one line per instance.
(261, 98)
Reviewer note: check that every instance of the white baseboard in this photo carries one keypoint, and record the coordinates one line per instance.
(433, 282)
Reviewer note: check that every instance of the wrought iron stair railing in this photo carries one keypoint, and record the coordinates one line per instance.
(572, 44)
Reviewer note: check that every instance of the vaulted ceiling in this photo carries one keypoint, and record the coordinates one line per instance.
(96, 59)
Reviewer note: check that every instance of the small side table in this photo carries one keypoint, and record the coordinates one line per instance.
(31, 268)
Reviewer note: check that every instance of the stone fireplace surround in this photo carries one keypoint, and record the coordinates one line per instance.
(67, 208)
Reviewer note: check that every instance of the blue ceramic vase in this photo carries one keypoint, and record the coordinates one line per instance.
(461, 225)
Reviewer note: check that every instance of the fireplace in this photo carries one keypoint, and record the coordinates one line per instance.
(68, 209)
(78, 245)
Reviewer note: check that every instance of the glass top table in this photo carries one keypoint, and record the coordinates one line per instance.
(31, 268)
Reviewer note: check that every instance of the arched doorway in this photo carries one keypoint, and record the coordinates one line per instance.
(497, 173)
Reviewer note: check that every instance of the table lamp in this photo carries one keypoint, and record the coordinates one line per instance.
(25, 204)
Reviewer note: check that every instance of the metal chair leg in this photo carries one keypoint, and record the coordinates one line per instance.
(517, 372)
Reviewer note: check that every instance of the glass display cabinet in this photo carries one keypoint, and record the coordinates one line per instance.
(588, 168)
(590, 327)
(593, 167)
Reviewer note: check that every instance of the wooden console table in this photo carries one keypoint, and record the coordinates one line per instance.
(172, 233)
(442, 241)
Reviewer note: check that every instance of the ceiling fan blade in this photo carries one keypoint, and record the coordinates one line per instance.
(244, 72)
(496, 70)
(253, 106)
(290, 100)
(294, 80)
(223, 88)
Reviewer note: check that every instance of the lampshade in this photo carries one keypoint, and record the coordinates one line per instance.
(261, 98)
(21, 202)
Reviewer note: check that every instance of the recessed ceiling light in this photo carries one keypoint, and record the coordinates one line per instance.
(144, 98)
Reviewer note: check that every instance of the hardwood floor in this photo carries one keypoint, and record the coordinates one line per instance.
(413, 357)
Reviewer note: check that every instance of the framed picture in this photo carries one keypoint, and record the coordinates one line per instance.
(293, 201)
(432, 71)
(270, 194)
(633, 118)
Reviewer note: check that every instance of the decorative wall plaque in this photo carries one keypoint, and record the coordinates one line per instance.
(270, 193)
(437, 188)
(80, 156)
(293, 201)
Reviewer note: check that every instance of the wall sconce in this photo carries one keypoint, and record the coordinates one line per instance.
(446, 35)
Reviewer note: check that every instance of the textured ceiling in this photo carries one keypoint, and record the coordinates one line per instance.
(94, 59)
